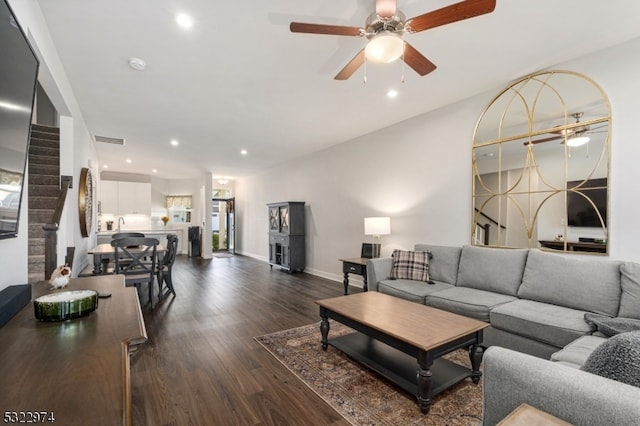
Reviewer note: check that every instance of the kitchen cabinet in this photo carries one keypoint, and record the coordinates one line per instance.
(120, 198)
(134, 198)
(108, 197)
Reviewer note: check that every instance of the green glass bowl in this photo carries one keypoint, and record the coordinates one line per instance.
(65, 305)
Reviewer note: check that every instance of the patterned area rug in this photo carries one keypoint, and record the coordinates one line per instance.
(362, 396)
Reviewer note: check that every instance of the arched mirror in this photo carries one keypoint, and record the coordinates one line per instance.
(541, 165)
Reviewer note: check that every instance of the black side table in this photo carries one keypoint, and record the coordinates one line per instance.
(356, 265)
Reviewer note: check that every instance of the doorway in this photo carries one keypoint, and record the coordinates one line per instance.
(223, 225)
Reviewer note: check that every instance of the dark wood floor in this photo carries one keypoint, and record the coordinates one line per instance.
(201, 365)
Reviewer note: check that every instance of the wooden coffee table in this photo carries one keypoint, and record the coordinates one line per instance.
(394, 336)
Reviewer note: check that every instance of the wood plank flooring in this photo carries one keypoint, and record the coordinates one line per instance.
(201, 365)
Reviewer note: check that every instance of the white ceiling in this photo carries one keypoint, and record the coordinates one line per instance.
(240, 80)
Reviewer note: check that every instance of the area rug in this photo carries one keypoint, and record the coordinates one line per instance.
(362, 396)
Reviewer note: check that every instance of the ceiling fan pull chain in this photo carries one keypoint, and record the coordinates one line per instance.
(587, 153)
(403, 62)
(364, 77)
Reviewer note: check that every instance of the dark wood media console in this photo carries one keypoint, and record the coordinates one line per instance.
(574, 246)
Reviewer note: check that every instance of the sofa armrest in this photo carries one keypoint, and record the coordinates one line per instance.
(378, 269)
(511, 378)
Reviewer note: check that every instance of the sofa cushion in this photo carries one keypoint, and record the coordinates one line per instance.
(410, 265)
(630, 283)
(415, 291)
(587, 285)
(618, 358)
(492, 269)
(577, 352)
(443, 262)
(469, 302)
(555, 325)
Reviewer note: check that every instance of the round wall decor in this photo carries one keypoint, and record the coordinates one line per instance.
(85, 201)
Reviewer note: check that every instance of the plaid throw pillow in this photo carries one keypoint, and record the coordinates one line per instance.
(410, 265)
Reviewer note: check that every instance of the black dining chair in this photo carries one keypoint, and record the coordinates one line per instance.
(136, 259)
(165, 267)
(119, 235)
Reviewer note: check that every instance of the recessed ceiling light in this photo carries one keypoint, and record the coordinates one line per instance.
(392, 93)
(244, 152)
(184, 20)
(105, 166)
(175, 142)
(137, 64)
(155, 170)
(128, 160)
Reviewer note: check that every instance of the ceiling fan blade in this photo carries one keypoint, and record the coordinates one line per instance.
(386, 8)
(417, 61)
(301, 27)
(453, 13)
(549, 139)
(351, 67)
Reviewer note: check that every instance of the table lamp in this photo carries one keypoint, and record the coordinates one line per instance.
(377, 226)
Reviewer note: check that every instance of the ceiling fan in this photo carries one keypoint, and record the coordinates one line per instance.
(574, 136)
(386, 27)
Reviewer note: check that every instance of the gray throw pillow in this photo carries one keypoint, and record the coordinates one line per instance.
(618, 358)
(611, 326)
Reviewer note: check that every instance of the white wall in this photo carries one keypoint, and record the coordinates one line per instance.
(419, 173)
(76, 149)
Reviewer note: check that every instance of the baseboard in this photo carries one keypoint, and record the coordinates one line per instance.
(354, 280)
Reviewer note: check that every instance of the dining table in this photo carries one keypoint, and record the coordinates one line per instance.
(105, 253)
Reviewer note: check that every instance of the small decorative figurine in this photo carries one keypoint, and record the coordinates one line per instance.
(60, 277)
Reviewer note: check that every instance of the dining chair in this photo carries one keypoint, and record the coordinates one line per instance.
(136, 259)
(119, 235)
(166, 265)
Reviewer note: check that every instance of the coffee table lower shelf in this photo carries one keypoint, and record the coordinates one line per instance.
(397, 366)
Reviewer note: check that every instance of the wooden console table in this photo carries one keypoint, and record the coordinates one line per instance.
(76, 371)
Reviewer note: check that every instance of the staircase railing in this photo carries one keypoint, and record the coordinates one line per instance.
(51, 228)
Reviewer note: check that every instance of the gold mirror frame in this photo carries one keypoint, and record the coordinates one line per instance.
(525, 172)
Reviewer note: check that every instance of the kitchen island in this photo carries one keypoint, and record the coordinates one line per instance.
(104, 237)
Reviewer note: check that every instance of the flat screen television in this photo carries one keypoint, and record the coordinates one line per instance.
(579, 211)
(18, 78)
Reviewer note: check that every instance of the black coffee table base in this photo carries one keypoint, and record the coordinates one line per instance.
(421, 373)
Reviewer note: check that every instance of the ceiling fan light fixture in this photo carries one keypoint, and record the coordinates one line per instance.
(384, 47)
(577, 141)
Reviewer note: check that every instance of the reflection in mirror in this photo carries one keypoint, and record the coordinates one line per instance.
(541, 165)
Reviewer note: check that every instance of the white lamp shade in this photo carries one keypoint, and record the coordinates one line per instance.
(384, 48)
(377, 226)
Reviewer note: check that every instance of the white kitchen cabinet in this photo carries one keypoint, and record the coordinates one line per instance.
(120, 198)
(108, 197)
(134, 198)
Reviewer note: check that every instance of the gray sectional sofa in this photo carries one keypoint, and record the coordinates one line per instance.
(535, 302)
